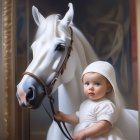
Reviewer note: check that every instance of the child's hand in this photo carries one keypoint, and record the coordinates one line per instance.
(69, 118)
(59, 116)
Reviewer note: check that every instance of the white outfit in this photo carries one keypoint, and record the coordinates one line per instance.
(93, 111)
(127, 119)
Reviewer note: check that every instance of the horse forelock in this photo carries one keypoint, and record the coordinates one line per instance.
(46, 30)
(48, 27)
(45, 33)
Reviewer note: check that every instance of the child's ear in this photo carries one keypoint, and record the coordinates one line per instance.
(109, 88)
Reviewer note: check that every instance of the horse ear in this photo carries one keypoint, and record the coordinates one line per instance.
(38, 18)
(68, 18)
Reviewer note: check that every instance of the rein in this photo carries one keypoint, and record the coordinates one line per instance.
(48, 90)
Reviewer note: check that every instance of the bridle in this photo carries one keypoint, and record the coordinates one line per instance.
(48, 89)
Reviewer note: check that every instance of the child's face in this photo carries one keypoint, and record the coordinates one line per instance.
(95, 86)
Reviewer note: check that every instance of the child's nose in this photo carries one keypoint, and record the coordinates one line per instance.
(91, 87)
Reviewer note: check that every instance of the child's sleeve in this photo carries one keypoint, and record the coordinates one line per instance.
(106, 111)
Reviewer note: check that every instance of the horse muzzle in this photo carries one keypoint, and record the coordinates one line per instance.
(30, 96)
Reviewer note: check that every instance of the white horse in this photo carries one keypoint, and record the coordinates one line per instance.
(53, 38)
(60, 53)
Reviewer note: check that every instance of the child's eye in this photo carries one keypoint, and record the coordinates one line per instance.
(97, 84)
(86, 83)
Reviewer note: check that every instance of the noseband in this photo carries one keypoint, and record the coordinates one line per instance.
(48, 88)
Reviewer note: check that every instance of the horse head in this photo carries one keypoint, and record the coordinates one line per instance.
(53, 58)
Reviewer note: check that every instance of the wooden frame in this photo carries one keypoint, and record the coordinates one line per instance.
(14, 120)
(7, 96)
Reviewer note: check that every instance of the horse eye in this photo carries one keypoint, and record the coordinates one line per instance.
(60, 47)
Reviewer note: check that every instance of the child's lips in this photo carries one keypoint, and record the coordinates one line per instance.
(91, 93)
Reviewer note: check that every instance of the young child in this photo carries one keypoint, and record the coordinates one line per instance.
(97, 115)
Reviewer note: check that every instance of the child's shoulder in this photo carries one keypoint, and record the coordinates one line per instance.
(105, 101)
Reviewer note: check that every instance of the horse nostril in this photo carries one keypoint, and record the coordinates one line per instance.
(30, 95)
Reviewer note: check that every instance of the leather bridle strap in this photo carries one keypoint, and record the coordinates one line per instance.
(66, 134)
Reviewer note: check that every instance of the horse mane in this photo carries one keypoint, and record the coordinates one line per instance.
(88, 53)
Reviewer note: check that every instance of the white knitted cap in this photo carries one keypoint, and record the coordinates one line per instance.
(106, 69)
